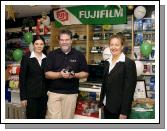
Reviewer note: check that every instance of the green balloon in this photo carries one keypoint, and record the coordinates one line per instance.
(146, 49)
(28, 37)
(17, 54)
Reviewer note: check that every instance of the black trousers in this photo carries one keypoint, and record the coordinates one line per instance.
(36, 108)
(109, 115)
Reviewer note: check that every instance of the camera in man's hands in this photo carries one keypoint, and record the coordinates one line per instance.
(70, 71)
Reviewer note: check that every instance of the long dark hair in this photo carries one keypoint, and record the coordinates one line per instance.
(38, 37)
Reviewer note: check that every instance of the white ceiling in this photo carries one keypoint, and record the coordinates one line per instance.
(28, 10)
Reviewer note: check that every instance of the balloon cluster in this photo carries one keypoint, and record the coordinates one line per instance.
(107, 27)
(139, 12)
(17, 54)
(28, 37)
(146, 48)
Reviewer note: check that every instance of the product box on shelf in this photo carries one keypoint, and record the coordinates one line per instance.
(87, 104)
(137, 53)
(147, 68)
(138, 39)
(152, 55)
(87, 108)
(138, 25)
(15, 97)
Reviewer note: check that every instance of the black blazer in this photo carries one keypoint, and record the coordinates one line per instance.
(119, 86)
(31, 78)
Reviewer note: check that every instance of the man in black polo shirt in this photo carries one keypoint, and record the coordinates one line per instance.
(64, 67)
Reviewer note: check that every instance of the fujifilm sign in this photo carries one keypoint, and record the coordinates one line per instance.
(91, 15)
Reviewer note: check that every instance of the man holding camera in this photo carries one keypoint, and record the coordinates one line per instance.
(64, 67)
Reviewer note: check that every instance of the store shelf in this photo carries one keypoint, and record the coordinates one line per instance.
(145, 31)
(148, 75)
(95, 89)
(151, 30)
(147, 60)
(41, 30)
(14, 90)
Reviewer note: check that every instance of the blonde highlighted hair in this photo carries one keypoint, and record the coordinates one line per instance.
(118, 36)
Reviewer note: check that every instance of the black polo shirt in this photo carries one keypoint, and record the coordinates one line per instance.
(58, 60)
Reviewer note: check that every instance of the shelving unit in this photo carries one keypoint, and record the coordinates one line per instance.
(14, 40)
(144, 29)
(99, 38)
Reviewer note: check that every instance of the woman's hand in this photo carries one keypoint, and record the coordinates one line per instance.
(24, 103)
(121, 116)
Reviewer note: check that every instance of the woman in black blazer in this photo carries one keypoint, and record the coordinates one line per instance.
(32, 81)
(119, 81)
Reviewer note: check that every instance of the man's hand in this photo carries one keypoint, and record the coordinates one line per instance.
(24, 103)
(121, 116)
(66, 75)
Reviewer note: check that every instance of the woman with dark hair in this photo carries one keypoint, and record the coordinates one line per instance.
(119, 81)
(32, 81)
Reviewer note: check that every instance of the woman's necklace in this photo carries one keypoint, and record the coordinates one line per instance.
(114, 59)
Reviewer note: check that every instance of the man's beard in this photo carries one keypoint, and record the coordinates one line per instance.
(66, 49)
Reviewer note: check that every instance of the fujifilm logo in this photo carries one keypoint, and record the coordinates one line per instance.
(101, 14)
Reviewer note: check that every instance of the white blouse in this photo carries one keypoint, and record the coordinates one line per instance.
(120, 59)
(34, 56)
